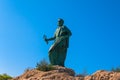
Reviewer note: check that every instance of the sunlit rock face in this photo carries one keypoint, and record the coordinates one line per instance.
(63, 73)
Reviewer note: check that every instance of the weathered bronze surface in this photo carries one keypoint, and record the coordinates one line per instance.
(58, 51)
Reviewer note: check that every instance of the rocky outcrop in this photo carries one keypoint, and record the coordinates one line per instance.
(104, 75)
(62, 73)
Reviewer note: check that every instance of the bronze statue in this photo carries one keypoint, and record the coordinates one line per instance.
(58, 51)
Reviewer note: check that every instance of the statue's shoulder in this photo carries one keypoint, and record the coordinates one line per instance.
(65, 27)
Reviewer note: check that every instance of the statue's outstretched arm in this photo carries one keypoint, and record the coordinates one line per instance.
(50, 39)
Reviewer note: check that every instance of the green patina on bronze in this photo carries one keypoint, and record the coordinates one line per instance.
(58, 51)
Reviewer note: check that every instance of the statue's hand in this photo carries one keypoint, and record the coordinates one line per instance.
(45, 38)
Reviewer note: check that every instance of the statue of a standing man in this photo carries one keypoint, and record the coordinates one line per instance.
(58, 51)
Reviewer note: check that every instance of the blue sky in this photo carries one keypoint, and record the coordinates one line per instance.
(95, 27)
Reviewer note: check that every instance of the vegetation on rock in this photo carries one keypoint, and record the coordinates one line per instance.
(44, 66)
(117, 69)
(5, 77)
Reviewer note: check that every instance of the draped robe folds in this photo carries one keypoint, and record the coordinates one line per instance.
(58, 51)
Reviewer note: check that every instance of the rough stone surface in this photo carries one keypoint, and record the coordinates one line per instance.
(62, 73)
(104, 75)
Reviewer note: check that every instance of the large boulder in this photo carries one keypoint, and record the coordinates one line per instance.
(62, 73)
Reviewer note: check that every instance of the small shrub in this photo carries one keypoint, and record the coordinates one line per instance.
(117, 69)
(83, 74)
(80, 75)
(28, 69)
(44, 66)
(5, 77)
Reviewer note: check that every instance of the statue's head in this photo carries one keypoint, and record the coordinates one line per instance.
(60, 22)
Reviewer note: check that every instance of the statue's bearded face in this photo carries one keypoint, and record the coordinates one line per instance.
(60, 22)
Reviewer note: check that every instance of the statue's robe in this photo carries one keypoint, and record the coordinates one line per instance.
(58, 51)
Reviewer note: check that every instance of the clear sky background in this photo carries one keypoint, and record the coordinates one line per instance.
(95, 27)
